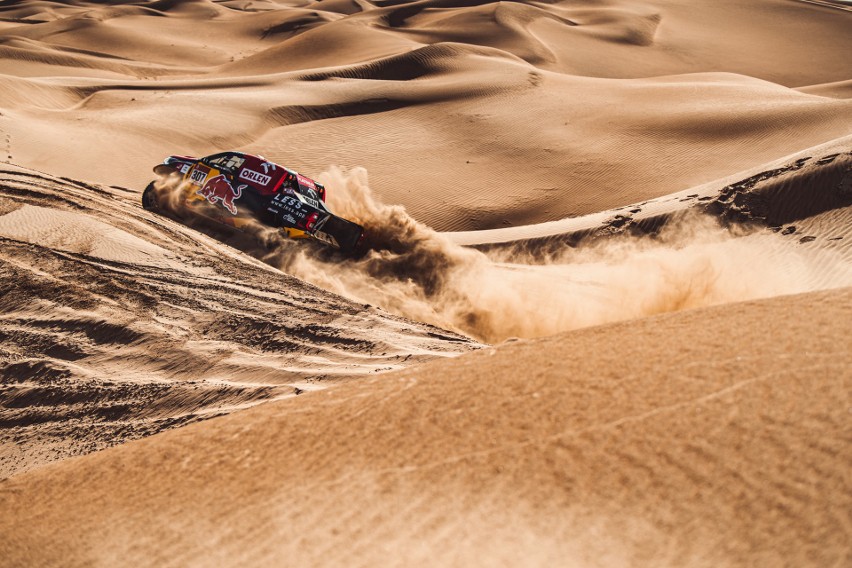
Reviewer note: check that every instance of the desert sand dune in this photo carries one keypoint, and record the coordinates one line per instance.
(511, 102)
(791, 188)
(566, 159)
(139, 324)
(706, 438)
(837, 89)
(524, 169)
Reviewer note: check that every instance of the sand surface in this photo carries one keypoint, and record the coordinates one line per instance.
(603, 319)
(715, 437)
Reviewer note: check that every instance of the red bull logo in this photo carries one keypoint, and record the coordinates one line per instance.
(219, 189)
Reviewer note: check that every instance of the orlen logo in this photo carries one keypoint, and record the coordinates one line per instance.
(254, 176)
(219, 189)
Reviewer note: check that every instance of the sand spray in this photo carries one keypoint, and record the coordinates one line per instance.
(416, 272)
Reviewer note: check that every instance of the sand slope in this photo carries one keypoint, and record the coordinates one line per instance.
(778, 193)
(705, 438)
(117, 323)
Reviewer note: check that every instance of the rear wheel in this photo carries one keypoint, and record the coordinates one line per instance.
(149, 198)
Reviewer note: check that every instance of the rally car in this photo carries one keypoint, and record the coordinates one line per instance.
(236, 189)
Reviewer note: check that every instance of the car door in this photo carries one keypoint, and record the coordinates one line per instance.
(263, 175)
(212, 180)
(198, 174)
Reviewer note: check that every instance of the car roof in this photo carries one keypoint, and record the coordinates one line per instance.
(262, 159)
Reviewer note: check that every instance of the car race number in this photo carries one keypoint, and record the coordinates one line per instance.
(199, 174)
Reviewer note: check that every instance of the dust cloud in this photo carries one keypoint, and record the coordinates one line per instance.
(416, 272)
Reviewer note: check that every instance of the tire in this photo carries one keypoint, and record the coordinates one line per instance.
(149, 198)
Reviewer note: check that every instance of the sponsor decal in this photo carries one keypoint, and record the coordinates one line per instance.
(219, 189)
(199, 174)
(288, 208)
(268, 167)
(305, 181)
(254, 176)
(184, 168)
(307, 200)
(288, 201)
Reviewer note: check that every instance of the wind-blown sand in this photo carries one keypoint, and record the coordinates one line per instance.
(565, 173)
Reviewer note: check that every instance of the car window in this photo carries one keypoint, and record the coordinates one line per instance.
(234, 162)
(227, 161)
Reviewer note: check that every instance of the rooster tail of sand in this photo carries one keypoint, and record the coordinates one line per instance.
(413, 271)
